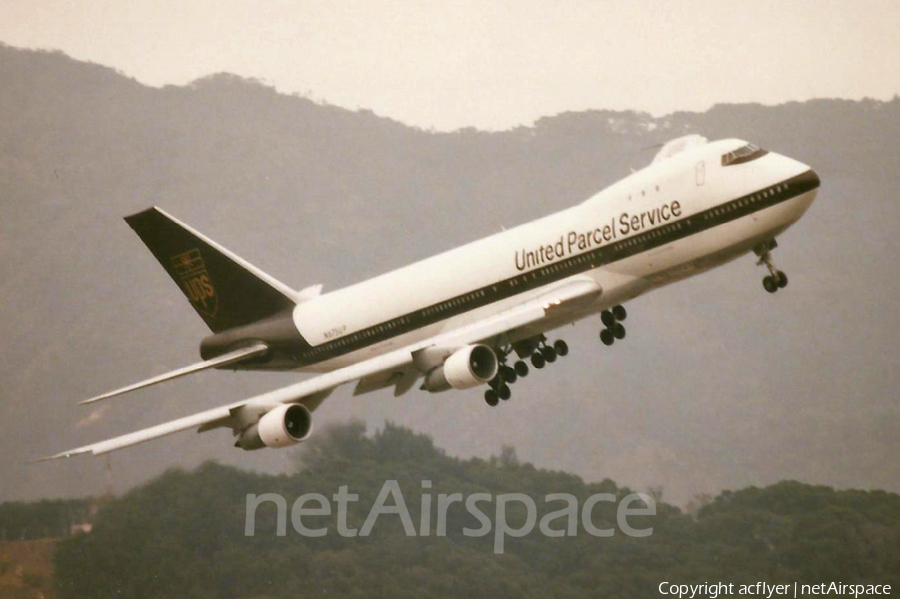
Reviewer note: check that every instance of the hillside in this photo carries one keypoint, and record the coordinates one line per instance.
(717, 386)
(183, 534)
(26, 569)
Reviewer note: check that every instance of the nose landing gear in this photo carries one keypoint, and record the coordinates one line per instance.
(776, 279)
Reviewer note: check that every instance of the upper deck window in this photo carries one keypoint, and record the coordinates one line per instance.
(743, 154)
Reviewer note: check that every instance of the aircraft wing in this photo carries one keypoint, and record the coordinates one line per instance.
(215, 417)
(312, 391)
(161, 430)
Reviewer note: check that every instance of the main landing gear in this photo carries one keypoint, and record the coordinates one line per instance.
(776, 279)
(614, 329)
(540, 354)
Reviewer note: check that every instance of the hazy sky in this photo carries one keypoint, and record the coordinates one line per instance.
(455, 63)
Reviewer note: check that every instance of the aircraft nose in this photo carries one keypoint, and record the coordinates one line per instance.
(808, 180)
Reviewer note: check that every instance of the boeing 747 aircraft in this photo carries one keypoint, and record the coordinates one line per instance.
(476, 315)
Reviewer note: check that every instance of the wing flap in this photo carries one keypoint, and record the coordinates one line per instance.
(402, 379)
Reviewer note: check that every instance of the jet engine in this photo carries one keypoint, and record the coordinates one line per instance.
(467, 367)
(280, 427)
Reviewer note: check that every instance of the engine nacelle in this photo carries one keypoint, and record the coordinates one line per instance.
(280, 427)
(466, 367)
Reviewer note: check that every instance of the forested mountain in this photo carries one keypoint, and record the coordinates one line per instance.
(182, 535)
(45, 519)
(718, 385)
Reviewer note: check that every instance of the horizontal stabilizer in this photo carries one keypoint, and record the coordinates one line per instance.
(237, 355)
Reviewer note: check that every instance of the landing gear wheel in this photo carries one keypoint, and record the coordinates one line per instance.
(618, 330)
(521, 368)
(561, 347)
(776, 279)
(504, 393)
(549, 354)
(619, 312)
(606, 336)
(537, 360)
(509, 375)
(782, 280)
(607, 318)
(490, 397)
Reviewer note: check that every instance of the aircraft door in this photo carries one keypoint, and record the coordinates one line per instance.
(701, 173)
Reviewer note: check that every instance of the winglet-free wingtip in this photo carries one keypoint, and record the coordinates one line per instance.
(64, 454)
(97, 398)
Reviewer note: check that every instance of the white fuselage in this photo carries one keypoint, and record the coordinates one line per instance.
(675, 218)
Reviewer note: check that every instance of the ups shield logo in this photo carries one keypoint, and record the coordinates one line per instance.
(196, 282)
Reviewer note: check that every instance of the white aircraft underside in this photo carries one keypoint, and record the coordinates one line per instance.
(453, 319)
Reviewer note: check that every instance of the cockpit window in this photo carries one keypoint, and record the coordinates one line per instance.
(743, 154)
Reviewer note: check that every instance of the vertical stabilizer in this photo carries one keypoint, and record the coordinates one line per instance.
(225, 290)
